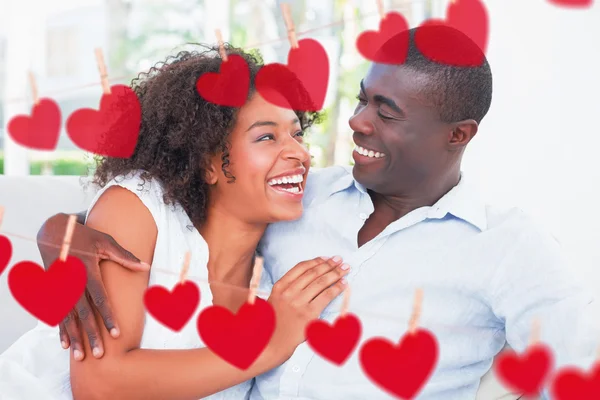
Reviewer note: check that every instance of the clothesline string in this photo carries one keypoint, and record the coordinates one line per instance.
(359, 311)
(360, 17)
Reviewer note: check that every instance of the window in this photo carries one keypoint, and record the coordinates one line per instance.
(61, 51)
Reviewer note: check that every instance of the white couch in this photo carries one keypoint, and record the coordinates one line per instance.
(28, 202)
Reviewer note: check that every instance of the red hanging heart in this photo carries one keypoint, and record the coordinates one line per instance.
(302, 84)
(401, 369)
(5, 252)
(41, 130)
(468, 16)
(48, 295)
(111, 131)
(172, 308)
(334, 342)
(573, 384)
(525, 373)
(237, 338)
(572, 3)
(230, 86)
(369, 43)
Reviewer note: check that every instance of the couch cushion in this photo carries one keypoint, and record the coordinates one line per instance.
(28, 202)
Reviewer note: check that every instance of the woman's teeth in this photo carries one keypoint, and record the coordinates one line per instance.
(368, 153)
(286, 179)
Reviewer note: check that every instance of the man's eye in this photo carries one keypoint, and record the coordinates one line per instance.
(360, 99)
(383, 116)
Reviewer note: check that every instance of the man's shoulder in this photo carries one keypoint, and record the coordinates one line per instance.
(520, 226)
(320, 180)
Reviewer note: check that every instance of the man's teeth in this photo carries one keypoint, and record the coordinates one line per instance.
(287, 179)
(368, 153)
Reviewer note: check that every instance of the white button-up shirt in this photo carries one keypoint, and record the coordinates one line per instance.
(486, 274)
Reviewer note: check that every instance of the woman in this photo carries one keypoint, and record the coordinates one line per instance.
(206, 179)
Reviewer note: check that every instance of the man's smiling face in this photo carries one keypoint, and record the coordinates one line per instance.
(394, 117)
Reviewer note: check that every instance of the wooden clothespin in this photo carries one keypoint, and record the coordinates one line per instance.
(34, 89)
(416, 314)
(535, 332)
(255, 281)
(185, 269)
(345, 302)
(102, 70)
(64, 250)
(289, 23)
(381, 9)
(222, 51)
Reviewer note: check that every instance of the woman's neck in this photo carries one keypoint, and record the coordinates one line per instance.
(231, 245)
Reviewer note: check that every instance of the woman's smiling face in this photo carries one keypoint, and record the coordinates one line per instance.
(269, 161)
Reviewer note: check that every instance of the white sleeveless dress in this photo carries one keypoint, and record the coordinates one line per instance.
(37, 367)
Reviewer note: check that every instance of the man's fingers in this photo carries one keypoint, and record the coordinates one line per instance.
(99, 297)
(64, 336)
(74, 333)
(88, 322)
(118, 254)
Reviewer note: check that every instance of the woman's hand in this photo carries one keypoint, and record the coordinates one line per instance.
(299, 297)
(91, 247)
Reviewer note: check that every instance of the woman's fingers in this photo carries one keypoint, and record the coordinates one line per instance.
(325, 297)
(313, 274)
(322, 283)
(295, 272)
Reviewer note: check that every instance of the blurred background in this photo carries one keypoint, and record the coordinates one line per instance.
(537, 148)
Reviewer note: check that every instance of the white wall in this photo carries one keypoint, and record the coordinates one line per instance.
(539, 145)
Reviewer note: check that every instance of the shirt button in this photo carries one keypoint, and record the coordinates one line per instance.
(295, 368)
(363, 216)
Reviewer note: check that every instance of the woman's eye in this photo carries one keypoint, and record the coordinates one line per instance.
(269, 136)
(299, 133)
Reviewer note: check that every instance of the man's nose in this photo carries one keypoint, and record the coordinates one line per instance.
(361, 121)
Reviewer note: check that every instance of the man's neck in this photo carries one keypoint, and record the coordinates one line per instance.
(394, 206)
(231, 243)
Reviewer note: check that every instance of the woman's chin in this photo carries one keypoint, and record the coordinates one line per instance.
(287, 213)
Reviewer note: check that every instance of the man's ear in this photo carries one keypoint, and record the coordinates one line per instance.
(212, 170)
(463, 132)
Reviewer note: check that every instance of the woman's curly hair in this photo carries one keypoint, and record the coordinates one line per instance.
(180, 130)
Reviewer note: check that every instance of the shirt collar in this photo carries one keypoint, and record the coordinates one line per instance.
(463, 200)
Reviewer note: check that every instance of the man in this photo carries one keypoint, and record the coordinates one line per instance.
(406, 217)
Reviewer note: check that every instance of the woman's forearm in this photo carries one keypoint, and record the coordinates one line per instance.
(162, 374)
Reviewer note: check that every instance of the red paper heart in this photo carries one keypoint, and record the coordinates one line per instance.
(302, 84)
(369, 43)
(48, 295)
(468, 16)
(5, 252)
(572, 3)
(573, 384)
(41, 130)
(237, 338)
(334, 342)
(400, 369)
(112, 130)
(172, 308)
(525, 373)
(230, 86)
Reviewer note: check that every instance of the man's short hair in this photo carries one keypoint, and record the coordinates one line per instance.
(458, 92)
